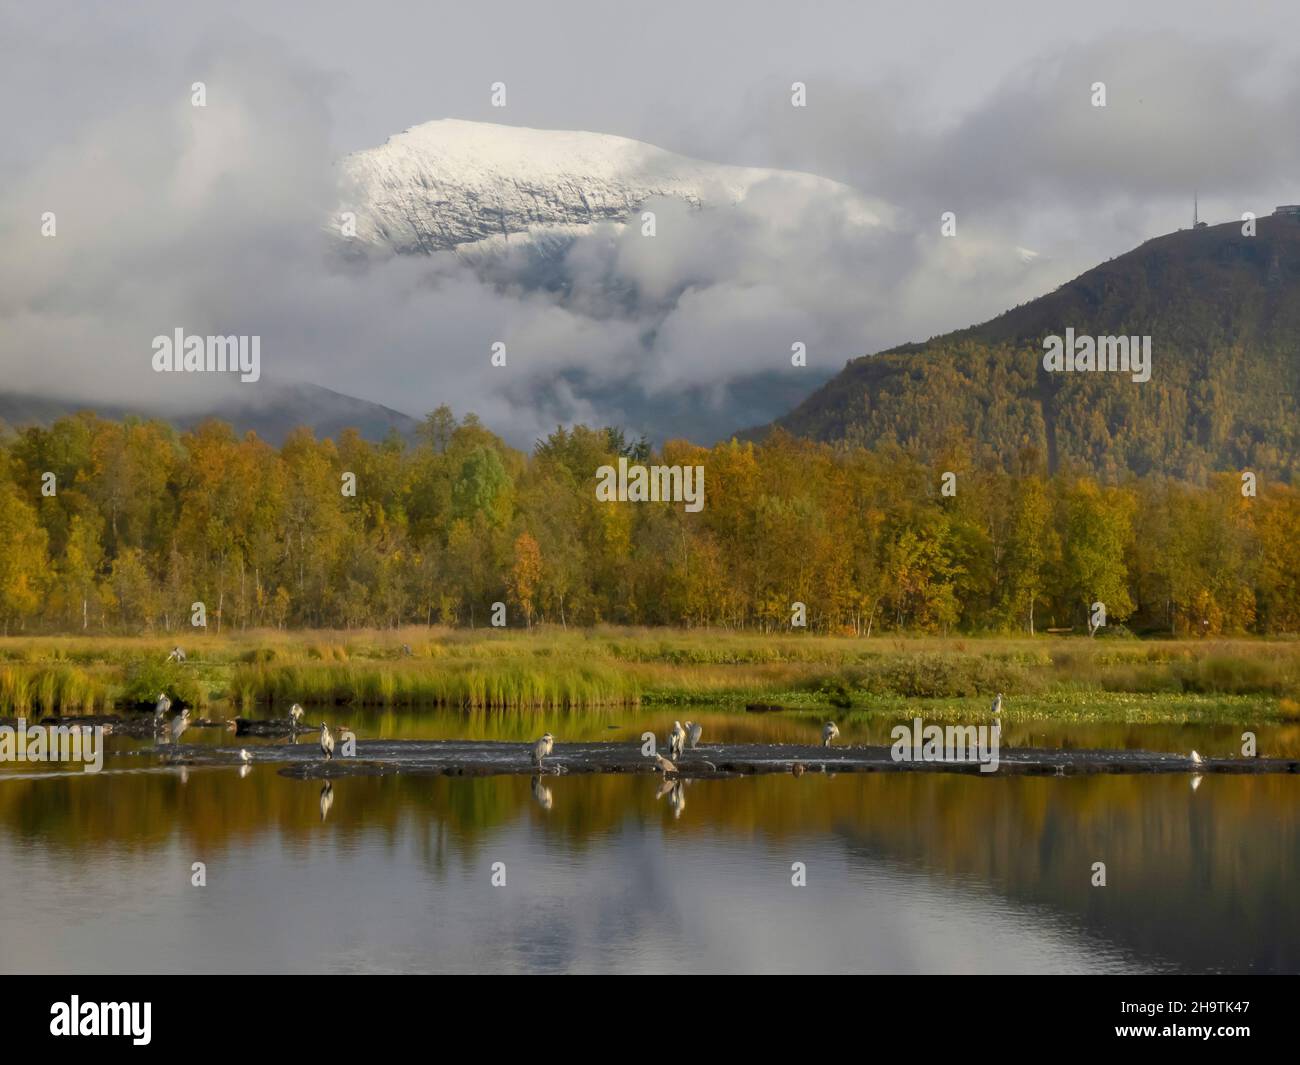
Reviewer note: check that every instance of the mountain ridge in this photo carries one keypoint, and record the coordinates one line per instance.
(1223, 311)
(278, 409)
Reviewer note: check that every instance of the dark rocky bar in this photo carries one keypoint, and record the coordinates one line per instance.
(483, 758)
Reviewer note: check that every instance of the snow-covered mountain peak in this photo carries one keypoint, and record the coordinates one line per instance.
(449, 183)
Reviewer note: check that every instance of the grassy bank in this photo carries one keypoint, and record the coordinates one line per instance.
(1045, 678)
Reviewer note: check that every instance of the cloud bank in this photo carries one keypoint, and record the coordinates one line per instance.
(213, 219)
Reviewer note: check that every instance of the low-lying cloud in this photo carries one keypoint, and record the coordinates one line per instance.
(214, 220)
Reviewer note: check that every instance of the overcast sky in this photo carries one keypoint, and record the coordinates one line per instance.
(982, 109)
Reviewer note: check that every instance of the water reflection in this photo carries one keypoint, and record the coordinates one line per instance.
(905, 872)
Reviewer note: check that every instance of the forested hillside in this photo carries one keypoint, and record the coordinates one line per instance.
(1223, 312)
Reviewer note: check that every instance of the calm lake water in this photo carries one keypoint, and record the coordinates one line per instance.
(912, 872)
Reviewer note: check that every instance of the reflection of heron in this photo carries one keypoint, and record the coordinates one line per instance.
(677, 740)
(676, 792)
(177, 655)
(830, 732)
(1196, 781)
(542, 794)
(677, 798)
(542, 748)
(326, 741)
(693, 732)
(179, 724)
(295, 713)
(244, 770)
(326, 799)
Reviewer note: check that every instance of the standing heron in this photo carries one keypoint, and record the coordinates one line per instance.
(663, 765)
(997, 706)
(244, 756)
(326, 741)
(177, 655)
(179, 724)
(693, 732)
(542, 748)
(295, 714)
(1196, 758)
(830, 732)
(677, 740)
(164, 704)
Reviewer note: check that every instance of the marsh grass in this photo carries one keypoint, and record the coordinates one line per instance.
(503, 683)
(552, 668)
(34, 690)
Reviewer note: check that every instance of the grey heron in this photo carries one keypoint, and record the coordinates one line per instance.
(830, 732)
(244, 756)
(997, 705)
(326, 741)
(663, 765)
(164, 704)
(179, 724)
(1196, 758)
(542, 748)
(677, 740)
(295, 713)
(694, 730)
(177, 655)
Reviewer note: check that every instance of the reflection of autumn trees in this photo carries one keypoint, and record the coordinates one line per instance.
(1203, 877)
(1000, 828)
(145, 522)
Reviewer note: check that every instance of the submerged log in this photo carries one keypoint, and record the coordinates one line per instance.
(136, 725)
(246, 726)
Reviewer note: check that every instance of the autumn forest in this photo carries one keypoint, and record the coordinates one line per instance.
(121, 527)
